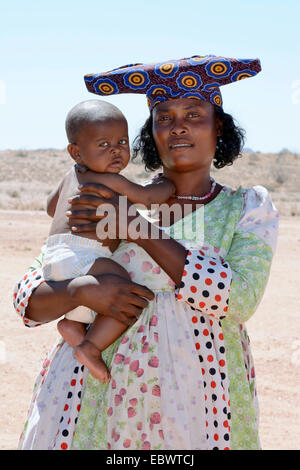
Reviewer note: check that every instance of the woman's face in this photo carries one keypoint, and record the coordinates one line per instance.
(185, 134)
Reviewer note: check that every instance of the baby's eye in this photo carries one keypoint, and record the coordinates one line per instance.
(123, 141)
(103, 144)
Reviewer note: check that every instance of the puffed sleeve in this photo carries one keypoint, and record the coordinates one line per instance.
(24, 288)
(233, 287)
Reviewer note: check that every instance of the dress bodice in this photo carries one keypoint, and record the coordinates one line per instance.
(188, 231)
(142, 268)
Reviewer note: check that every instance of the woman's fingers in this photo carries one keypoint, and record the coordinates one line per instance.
(91, 227)
(142, 291)
(87, 200)
(122, 316)
(133, 300)
(139, 302)
(89, 214)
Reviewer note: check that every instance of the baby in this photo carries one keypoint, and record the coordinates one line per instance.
(98, 143)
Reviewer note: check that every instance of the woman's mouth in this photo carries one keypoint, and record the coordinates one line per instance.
(180, 146)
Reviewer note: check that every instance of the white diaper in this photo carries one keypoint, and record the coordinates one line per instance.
(68, 256)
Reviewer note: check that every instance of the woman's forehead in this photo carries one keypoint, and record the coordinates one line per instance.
(182, 104)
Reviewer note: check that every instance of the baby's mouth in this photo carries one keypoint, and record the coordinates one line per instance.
(117, 161)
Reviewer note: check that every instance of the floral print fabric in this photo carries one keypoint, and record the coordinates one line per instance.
(183, 375)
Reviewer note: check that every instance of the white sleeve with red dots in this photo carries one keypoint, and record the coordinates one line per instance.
(233, 287)
(22, 292)
(205, 284)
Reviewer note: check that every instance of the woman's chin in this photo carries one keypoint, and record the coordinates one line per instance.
(185, 162)
(182, 165)
(176, 161)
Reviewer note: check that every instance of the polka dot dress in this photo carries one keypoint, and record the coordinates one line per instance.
(70, 411)
(209, 343)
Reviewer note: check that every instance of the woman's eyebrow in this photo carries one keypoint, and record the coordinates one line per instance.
(164, 109)
(196, 105)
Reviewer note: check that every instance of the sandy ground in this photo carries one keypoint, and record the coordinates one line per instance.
(274, 331)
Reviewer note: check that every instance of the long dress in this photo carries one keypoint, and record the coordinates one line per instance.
(183, 375)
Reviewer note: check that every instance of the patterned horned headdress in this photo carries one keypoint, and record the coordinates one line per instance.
(196, 77)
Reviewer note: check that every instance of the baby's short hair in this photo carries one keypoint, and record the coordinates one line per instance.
(89, 112)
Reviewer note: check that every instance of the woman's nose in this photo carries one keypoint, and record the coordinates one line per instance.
(178, 128)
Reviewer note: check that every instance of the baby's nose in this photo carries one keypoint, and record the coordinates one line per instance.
(115, 150)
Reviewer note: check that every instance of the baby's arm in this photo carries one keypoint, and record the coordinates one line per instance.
(157, 192)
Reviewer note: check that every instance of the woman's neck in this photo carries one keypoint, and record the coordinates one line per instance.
(196, 183)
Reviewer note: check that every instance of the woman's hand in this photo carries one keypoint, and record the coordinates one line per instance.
(113, 296)
(110, 213)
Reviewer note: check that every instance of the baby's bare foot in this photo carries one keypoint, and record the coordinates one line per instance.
(90, 356)
(73, 332)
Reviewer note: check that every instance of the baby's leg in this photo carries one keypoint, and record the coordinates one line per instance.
(103, 331)
(73, 332)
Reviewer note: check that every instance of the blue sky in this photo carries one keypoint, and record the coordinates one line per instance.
(47, 47)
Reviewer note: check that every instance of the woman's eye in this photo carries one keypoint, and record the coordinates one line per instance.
(163, 118)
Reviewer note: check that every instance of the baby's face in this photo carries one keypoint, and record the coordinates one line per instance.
(104, 146)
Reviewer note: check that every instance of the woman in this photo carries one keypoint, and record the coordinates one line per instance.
(182, 374)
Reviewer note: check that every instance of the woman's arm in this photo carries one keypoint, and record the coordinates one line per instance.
(233, 288)
(229, 288)
(38, 301)
(50, 300)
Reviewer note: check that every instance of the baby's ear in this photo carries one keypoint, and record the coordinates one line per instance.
(73, 150)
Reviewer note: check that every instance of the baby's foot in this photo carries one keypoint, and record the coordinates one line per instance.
(90, 356)
(73, 332)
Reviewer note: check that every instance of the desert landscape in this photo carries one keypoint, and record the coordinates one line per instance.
(27, 177)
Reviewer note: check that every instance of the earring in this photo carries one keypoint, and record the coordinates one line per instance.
(219, 142)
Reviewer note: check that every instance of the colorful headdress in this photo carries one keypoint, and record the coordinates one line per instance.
(195, 77)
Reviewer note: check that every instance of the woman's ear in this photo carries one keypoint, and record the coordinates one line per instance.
(74, 152)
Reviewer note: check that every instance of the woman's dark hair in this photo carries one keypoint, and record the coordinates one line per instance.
(229, 144)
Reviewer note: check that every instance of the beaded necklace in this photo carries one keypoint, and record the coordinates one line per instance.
(201, 198)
